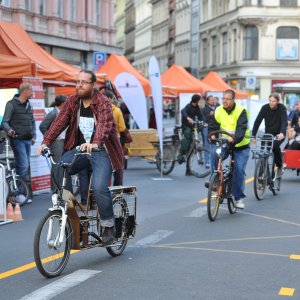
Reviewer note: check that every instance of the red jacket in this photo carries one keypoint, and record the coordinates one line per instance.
(105, 133)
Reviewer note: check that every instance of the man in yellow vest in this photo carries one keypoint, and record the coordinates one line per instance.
(233, 117)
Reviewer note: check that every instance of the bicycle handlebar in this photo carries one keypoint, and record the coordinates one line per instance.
(220, 140)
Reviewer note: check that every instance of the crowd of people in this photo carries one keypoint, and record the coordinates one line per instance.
(92, 120)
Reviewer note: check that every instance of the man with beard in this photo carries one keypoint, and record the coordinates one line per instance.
(89, 119)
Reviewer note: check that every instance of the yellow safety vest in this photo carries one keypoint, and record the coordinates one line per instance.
(228, 122)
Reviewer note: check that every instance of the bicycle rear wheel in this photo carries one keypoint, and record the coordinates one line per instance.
(51, 258)
(121, 214)
(167, 165)
(196, 162)
(213, 197)
(18, 190)
(260, 179)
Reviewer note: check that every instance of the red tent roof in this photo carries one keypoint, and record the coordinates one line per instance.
(117, 64)
(16, 42)
(183, 81)
(219, 85)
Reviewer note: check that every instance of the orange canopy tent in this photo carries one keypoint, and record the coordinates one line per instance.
(183, 81)
(117, 64)
(12, 69)
(219, 85)
(14, 41)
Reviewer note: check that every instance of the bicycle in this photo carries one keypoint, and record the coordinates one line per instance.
(64, 228)
(264, 173)
(195, 155)
(220, 183)
(16, 188)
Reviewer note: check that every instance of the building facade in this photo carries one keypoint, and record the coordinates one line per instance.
(70, 30)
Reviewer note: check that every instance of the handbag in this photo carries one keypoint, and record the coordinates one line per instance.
(126, 137)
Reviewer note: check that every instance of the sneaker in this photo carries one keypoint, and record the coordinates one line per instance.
(108, 236)
(29, 200)
(180, 159)
(280, 171)
(206, 184)
(240, 204)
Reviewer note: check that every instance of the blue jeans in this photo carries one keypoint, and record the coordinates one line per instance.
(22, 149)
(239, 173)
(84, 182)
(102, 172)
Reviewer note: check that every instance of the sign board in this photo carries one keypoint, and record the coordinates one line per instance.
(99, 59)
(250, 82)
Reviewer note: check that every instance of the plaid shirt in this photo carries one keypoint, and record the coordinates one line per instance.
(105, 129)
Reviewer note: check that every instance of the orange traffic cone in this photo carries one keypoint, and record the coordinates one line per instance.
(18, 214)
(10, 212)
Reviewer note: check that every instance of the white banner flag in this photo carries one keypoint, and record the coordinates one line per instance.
(134, 97)
(155, 82)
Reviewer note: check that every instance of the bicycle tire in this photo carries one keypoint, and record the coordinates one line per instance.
(121, 214)
(168, 162)
(230, 201)
(213, 197)
(17, 195)
(260, 179)
(196, 162)
(54, 260)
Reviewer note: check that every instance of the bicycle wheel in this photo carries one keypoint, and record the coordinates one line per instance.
(167, 165)
(230, 202)
(18, 190)
(121, 214)
(213, 197)
(196, 162)
(50, 257)
(260, 179)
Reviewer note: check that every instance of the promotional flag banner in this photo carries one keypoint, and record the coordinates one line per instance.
(134, 97)
(155, 82)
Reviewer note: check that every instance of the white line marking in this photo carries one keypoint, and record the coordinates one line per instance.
(61, 285)
(153, 238)
(197, 213)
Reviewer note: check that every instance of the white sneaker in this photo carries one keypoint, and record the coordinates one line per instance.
(240, 204)
(29, 200)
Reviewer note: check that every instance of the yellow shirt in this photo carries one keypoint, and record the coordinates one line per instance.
(118, 118)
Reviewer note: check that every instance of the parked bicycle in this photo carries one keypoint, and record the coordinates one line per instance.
(70, 225)
(220, 183)
(195, 155)
(265, 173)
(16, 188)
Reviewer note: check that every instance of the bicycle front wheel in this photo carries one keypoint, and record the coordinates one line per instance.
(166, 165)
(18, 190)
(50, 256)
(213, 197)
(121, 214)
(260, 179)
(196, 162)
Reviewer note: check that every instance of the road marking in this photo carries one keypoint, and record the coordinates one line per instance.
(220, 250)
(197, 213)
(61, 285)
(295, 256)
(153, 238)
(284, 291)
(28, 266)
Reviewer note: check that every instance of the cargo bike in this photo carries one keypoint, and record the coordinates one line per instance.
(68, 225)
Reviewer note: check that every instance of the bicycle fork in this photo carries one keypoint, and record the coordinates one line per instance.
(55, 243)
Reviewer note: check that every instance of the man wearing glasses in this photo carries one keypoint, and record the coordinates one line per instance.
(233, 117)
(89, 119)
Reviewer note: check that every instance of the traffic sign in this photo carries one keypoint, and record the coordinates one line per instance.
(99, 59)
(250, 82)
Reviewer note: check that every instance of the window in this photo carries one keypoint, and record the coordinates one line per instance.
(27, 4)
(42, 7)
(288, 3)
(5, 3)
(287, 43)
(214, 51)
(234, 56)
(250, 43)
(60, 8)
(73, 10)
(204, 53)
(98, 13)
(225, 47)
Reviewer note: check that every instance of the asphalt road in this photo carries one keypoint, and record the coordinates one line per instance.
(177, 252)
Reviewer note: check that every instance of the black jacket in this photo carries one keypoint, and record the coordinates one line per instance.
(192, 112)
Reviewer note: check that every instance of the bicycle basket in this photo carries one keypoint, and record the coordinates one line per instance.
(264, 145)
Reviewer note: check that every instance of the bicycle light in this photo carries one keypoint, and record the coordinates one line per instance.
(54, 199)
